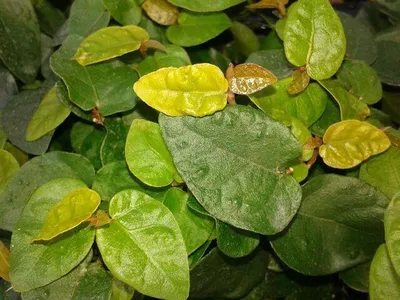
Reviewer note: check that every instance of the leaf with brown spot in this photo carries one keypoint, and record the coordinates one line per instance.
(299, 83)
(161, 11)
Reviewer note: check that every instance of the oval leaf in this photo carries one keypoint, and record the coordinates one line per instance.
(392, 232)
(147, 155)
(250, 78)
(75, 208)
(314, 37)
(161, 11)
(196, 90)
(348, 143)
(206, 5)
(4, 262)
(338, 225)
(110, 42)
(143, 246)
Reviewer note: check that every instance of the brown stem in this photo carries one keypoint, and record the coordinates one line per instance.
(313, 159)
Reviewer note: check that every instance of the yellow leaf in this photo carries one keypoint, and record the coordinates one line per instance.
(299, 82)
(100, 219)
(161, 11)
(196, 90)
(76, 208)
(277, 4)
(110, 42)
(249, 78)
(4, 262)
(348, 143)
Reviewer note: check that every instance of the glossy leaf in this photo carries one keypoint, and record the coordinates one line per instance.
(392, 229)
(384, 282)
(350, 106)
(4, 262)
(313, 37)
(235, 242)
(161, 11)
(357, 277)
(8, 166)
(107, 86)
(113, 146)
(339, 225)
(205, 5)
(50, 166)
(125, 12)
(348, 143)
(35, 265)
(75, 208)
(249, 78)
(246, 40)
(196, 28)
(147, 155)
(307, 106)
(18, 25)
(195, 228)
(48, 116)
(300, 80)
(387, 64)
(196, 90)
(143, 246)
(110, 42)
(382, 172)
(237, 154)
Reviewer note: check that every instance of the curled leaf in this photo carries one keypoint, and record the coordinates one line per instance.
(75, 208)
(277, 4)
(300, 81)
(348, 143)
(110, 42)
(4, 262)
(196, 90)
(161, 11)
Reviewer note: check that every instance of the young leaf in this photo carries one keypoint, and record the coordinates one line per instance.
(348, 143)
(300, 80)
(35, 265)
(195, 28)
(313, 37)
(8, 166)
(196, 90)
(161, 11)
(4, 262)
(48, 116)
(75, 208)
(392, 230)
(143, 246)
(205, 5)
(249, 78)
(110, 42)
(338, 225)
(245, 38)
(233, 162)
(384, 283)
(300, 172)
(195, 228)
(147, 155)
(125, 12)
(357, 277)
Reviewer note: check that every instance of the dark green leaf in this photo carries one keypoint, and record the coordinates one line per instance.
(390, 105)
(387, 65)
(8, 87)
(211, 56)
(113, 146)
(330, 116)
(371, 17)
(50, 18)
(245, 38)
(126, 12)
(357, 277)
(195, 257)
(392, 229)
(271, 42)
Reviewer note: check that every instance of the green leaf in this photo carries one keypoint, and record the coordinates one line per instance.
(233, 162)
(196, 228)
(235, 242)
(330, 116)
(20, 39)
(8, 166)
(50, 166)
(307, 106)
(125, 12)
(113, 146)
(357, 277)
(35, 265)
(205, 5)
(107, 86)
(390, 104)
(335, 228)
(382, 172)
(47, 117)
(196, 28)
(19, 155)
(218, 276)
(86, 17)
(384, 283)
(273, 60)
(303, 135)
(313, 37)
(360, 43)
(121, 291)
(8, 87)
(392, 229)
(348, 143)
(245, 38)
(196, 90)
(350, 106)
(75, 208)
(196, 256)
(147, 155)
(300, 172)
(109, 43)
(50, 18)
(143, 246)
(387, 65)
(271, 41)
(16, 118)
(211, 56)
(361, 80)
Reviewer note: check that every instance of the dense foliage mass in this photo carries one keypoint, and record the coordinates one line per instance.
(202, 149)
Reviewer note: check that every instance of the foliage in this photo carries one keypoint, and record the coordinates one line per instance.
(199, 149)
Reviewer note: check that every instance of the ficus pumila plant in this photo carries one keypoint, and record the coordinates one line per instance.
(199, 149)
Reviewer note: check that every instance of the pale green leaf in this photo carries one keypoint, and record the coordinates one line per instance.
(121, 291)
(205, 5)
(8, 166)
